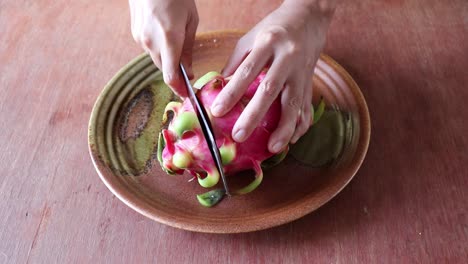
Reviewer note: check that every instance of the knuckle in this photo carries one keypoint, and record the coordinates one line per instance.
(226, 96)
(273, 34)
(146, 40)
(264, 39)
(172, 34)
(251, 119)
(167, 32)
(292, 49)
(245, 70)
(135, 35)
(231, 96)
(136, 38)
(170, 78)
(269, 87)
(294, 103)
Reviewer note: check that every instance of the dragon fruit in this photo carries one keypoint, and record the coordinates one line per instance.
(182, 146)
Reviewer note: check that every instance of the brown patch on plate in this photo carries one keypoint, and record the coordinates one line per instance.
(135, 116)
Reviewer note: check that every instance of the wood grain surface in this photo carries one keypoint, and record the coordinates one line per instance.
(407, 204)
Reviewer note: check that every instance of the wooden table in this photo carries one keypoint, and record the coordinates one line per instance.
(407, 204)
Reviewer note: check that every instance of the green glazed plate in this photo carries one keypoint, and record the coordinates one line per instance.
(123, 135)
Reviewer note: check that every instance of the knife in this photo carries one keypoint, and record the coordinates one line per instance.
(206, 128)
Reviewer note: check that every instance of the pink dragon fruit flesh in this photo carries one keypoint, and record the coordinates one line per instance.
(182, 146)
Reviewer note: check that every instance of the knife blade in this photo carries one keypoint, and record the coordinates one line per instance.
(206, 128)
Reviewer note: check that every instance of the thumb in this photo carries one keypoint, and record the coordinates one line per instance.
(170, 57)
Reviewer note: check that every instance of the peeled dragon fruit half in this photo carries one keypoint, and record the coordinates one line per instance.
(182, 146)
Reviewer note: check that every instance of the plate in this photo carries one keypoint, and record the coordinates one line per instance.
(126, 120)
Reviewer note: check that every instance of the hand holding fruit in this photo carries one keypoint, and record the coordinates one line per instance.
(288, 42)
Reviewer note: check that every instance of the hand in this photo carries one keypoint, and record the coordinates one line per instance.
(289, 41)
(166, 30)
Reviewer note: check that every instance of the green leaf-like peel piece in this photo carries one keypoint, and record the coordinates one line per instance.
(323, 142)
(161, 145)
(228, 153)
(211, 178)
(185, 121)
(205, 79)
(171, 107)
(319, 112)
(182, 159)
(255, 183)
(276, 159)
(211, 198)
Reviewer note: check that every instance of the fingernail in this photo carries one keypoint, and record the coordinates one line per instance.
(277, 147)
(217, 109)
(239, 135)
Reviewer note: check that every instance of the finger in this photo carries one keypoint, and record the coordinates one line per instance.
(132, 18)
(238, 55)
(267, 92)
(156, 57)
(146, 33)
(291, 102)
(137, 23)
(244, 75)
(146, 41)
(305, 118)
(170, 57)
(187, 49)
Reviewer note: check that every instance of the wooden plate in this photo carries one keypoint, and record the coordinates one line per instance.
(123, 135)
